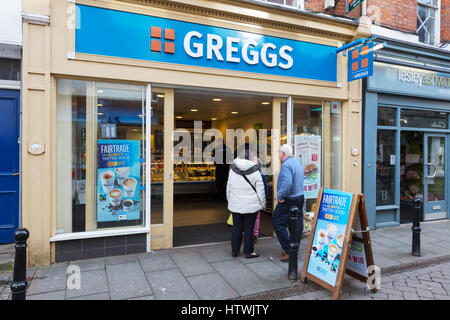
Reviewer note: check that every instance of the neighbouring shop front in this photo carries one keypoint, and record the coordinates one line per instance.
(131, 81)
(406, 135)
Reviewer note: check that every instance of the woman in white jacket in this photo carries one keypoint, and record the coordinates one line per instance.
(246, 196)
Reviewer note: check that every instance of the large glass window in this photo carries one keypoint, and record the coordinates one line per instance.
(316, 138)
(386, 167)
(100, 152)
(423, 119)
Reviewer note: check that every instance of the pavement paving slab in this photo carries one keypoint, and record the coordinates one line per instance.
(170, 285)
(190, 262)
(241, 277)
(212, 287)
(156, 261)
(91, 282)
(127, 281)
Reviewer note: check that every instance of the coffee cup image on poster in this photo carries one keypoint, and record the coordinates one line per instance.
(329, 235)
(118, 181)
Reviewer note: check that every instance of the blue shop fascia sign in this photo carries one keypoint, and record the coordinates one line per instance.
(107, 32)
(395, 79)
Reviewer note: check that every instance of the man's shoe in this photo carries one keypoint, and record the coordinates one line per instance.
(252, 255)
(285, 257)
(234, 254)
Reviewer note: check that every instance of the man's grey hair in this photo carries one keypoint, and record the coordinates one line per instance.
(287, 149)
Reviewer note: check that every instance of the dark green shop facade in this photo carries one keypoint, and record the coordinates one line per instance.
(407, 134)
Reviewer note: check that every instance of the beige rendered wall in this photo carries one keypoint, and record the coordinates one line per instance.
(37, 166)
(45, 57)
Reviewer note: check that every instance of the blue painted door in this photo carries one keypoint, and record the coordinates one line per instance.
(435, 176)
(9, 164)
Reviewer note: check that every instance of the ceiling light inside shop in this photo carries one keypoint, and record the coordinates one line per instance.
(99, 114)
(213, 119)
(100, 91)
(179, 117)
(234, 112)
(160, 95)
(193, 110)
(265, 102)
(135, 130)
(100, 105)
(217, 99)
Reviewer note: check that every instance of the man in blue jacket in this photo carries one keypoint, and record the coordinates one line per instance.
(289, 193)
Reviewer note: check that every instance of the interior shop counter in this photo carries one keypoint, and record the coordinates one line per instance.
(186, 187)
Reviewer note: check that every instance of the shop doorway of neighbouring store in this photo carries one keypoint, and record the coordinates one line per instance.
(9, 164)
(199, 184)
(423, 175)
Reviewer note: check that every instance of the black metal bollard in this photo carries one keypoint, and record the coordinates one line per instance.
(19, 285)
(293, 243)
(416, 228)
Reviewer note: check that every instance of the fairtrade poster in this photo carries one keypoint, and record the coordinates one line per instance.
(118, 180)
(357, 258)
(329, 235)
(308, 151)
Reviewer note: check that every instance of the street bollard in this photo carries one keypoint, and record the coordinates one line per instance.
(293, 243)
(19, 285)
(416, 228)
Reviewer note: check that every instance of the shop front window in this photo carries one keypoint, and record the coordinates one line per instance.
(316, 138)
(157, 158)
(386, 116)
(100, 151)
(411, 118)
(386, 167)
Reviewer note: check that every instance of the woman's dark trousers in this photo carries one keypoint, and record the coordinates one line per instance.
(243, 223)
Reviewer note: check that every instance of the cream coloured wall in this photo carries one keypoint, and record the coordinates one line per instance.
(38, 198)
(48, 53)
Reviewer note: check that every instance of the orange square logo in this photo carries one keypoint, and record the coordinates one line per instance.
(155, 45)
(355, 66)
(169, 34)
(364, 63)
(155, 32)
(364, 50)
(355, 54)
(169, 47)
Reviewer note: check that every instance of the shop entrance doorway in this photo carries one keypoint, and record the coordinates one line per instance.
(205, 121)
(9, 165)
(423, 174)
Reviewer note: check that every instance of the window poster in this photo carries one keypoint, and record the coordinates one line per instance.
(308, 151)
(118, 180)
(329, 235)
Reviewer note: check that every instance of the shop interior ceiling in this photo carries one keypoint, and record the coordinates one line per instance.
(185, 100)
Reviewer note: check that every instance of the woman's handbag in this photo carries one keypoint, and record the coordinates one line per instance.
(230, 220)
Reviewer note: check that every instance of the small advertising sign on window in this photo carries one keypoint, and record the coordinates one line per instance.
(308, 152)
(392, 160)
(118, 181)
